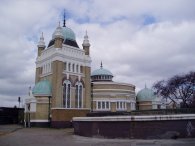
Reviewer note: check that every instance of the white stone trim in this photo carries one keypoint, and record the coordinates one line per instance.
(113, 83)
(138, 118)
(64, 54)
(46, 74)
(73, 73)
(61, 108)
(114, 100)
(125, 90)
(112, 94)
(39, 120)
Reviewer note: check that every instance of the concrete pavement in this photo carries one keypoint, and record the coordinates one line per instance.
(13, 135)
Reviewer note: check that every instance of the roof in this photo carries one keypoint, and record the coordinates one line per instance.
(42, 88)
(101, 71)
(146, 95)
(66, 32)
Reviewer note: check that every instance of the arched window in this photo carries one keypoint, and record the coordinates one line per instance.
(79, 95)
(65, 64)
(81, 69)
(69, 67)
(67, 94)
(77, 68)
(73, 68)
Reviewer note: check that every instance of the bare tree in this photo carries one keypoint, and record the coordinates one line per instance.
(178, 87)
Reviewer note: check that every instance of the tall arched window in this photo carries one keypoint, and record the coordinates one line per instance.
(65, 66)
(73, 66)
(67, 94)
(79, 95)
(69, 67)
(77, 68)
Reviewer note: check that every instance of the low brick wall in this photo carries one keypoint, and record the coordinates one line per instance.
(62, 118)
(137, 127)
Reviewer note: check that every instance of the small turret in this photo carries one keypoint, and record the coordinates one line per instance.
(58, 36)
(86, 44)
(41, 45)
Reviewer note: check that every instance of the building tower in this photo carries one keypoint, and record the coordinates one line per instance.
(62, 88)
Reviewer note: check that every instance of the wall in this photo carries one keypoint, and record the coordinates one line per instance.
(11, 115)
(137, 127)
(62, 118)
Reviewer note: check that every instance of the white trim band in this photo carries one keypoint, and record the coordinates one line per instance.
(137, 118)
(39, 120)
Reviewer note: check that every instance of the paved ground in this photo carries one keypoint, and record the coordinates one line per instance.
(13, 135)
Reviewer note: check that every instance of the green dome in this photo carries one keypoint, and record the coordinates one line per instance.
(67, 34)
(42, 88)
(101, 71)
(146, 95)
(101, 74)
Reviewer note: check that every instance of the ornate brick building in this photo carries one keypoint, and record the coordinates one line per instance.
(62, 81)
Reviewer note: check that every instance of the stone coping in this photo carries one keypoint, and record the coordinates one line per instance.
(137, 118)
(61, 108)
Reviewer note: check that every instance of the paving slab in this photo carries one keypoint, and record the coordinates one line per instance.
(18, 136)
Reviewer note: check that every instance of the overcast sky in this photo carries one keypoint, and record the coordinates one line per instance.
(139, 41)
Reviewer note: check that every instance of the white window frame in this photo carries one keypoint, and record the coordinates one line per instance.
(79, 84)
(67, 82)
(101, 105)
(121, 105)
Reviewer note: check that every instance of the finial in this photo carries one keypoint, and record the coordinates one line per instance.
(101, 65)
(145, 85)
(64, 25)
(86, 33)
(29, 90)
(41, 42)
(59, 24)
(42, 34)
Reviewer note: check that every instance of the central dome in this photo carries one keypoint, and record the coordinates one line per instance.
(67, 34)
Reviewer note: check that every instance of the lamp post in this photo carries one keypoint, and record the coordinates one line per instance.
(49, 112)
(19, 100)
(91, 97)
(29, 125)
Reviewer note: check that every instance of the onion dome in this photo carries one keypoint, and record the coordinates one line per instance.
(65, 33)
(42, 88)
(58, 33)
(41, 43)
(146, 95)
(101, 74)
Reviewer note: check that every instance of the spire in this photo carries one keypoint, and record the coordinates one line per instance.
(101, 66)
(86, 40)
(41, 42)
(145, 86)
(64, 23)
